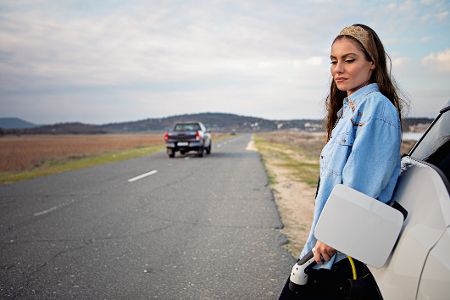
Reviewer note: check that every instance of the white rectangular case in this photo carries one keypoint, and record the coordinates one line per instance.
(359, 226)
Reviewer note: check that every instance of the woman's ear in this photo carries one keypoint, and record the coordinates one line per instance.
(372, 65)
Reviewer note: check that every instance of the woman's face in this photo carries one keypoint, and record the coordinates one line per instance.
(349, 67)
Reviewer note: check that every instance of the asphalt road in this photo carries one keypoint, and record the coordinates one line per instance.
(192, 228)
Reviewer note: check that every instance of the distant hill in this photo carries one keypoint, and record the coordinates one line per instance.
(219, 122)
(9, 123)
(213, 121)
(66, 128)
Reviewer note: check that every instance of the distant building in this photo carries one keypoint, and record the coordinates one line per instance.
(313, 126)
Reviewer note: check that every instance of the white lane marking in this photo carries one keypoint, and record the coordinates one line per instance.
(143, 176)
(251, 146)
(186, 158)
(46, 211)
(53, 208)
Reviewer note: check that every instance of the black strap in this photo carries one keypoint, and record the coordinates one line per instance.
(317, 189)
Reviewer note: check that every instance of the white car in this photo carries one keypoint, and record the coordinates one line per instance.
(416, 263)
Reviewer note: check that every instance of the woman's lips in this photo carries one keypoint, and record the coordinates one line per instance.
(340, 79)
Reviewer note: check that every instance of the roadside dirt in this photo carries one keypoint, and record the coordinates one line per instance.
(295, 202)
(294, 198)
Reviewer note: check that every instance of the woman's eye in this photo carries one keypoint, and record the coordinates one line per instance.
(349, 61)
(333, 62)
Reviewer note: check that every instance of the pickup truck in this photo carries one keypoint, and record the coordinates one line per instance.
(186, 137)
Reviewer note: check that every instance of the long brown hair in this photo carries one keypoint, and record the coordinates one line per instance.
(380, 75)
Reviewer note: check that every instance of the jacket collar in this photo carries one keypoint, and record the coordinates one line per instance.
(358, 96)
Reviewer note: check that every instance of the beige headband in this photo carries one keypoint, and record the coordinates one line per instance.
(359, 33)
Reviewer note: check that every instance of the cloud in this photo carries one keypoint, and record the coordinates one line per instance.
(442, 16)
(119, 49)
(269, 57)
(315, 60)
(439, 61)
(427, 2)
(426, 39)
(149, 44)
(399, 61)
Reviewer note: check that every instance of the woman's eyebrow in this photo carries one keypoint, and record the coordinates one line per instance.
(344, 56)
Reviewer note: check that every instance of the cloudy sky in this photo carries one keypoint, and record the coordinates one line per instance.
(111, 61)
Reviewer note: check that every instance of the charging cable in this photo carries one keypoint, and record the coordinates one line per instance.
(352, 264)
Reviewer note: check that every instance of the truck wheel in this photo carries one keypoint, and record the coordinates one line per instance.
(200, 151)
(170, 152)
(208, 150)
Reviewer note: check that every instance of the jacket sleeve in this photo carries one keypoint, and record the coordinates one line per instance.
(375, 155)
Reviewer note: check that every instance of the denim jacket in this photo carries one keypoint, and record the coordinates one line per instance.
(362, 153)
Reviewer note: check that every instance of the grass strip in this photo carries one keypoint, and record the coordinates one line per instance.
(289, 157)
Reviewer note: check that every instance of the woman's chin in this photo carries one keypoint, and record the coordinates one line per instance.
(342, 87)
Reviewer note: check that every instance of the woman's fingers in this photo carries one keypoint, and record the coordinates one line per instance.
(326, 256)
(317, 257)
(323, 252)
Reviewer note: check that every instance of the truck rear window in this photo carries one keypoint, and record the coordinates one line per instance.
(187, 127)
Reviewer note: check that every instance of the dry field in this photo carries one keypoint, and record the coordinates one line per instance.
(21, 153)
(292, 163)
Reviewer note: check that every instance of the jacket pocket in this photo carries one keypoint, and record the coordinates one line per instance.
(345, 139)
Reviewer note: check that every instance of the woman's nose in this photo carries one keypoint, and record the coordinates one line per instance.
(339, 67)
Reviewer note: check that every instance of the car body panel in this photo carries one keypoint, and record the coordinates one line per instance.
(422, 192)
(435, 280)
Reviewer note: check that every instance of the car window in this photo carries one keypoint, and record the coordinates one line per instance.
(434, 148)
(187, 127)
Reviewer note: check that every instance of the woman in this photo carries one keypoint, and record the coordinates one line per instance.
(363, 128)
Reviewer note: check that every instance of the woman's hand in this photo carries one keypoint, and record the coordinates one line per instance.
(323, 252)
